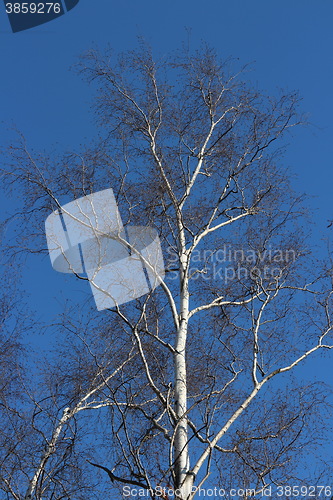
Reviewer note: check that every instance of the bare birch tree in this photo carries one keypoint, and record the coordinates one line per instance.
(183, 387)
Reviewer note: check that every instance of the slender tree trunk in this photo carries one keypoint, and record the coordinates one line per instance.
(184, 481)
(50, 449)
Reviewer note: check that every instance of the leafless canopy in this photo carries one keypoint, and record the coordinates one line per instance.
(182, 388)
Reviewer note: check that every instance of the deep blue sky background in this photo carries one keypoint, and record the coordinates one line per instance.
(290, 44)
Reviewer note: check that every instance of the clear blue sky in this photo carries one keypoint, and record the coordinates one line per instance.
(290, 43)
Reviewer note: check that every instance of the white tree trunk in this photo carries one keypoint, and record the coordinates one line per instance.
(50, 449)
(184, 481)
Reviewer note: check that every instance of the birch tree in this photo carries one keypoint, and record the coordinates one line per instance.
(188, 386)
